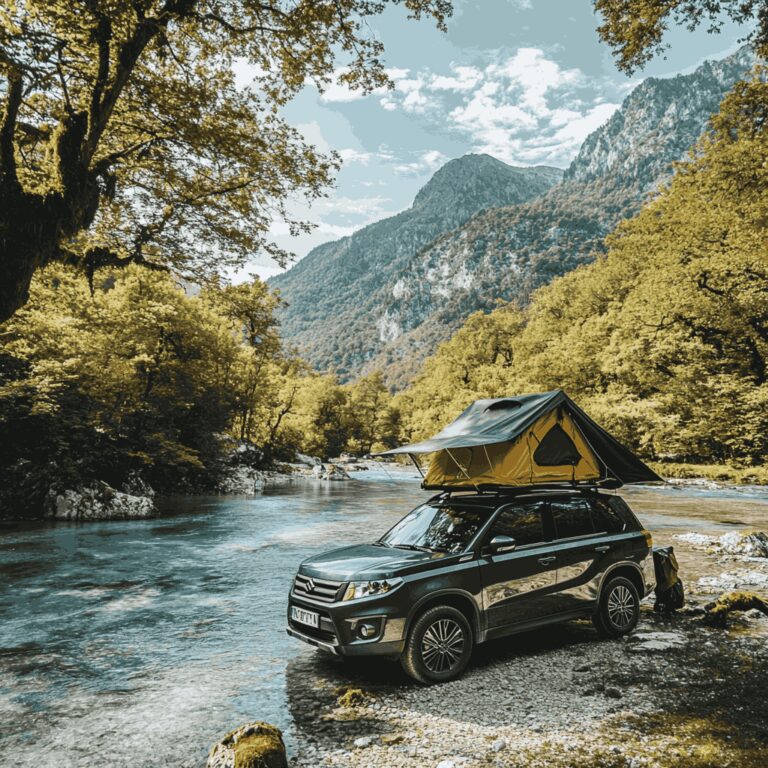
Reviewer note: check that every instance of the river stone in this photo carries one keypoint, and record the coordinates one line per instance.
(98, 501)
(256, 745)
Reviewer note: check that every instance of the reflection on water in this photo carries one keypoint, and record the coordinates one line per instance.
(144, 641)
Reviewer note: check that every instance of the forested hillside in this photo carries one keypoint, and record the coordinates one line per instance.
(664, 339)
(394, 298)
(333, 294)
(509, 252)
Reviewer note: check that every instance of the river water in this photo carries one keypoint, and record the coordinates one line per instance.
(138, 643)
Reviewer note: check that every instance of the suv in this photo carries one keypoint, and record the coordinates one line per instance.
(464, 568)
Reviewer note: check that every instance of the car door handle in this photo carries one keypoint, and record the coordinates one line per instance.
(603, 548)
(547, 560)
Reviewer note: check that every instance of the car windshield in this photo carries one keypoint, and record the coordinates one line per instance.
(437, 528)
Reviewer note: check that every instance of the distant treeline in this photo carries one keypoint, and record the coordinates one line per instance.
(139, 377)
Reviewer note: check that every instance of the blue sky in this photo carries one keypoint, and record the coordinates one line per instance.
(523, 80)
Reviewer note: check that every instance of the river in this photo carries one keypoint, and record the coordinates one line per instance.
(138, 643)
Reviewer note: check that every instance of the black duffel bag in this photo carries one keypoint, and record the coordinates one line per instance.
(670, 593)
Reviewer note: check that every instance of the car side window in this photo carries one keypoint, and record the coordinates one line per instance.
(523, 522)
(571, 517)
(605, 518)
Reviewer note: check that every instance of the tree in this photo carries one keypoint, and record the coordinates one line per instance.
(371, 418)
(126, 138)
(635, 28)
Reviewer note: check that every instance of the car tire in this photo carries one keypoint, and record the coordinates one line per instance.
(439, 646)
(619, 608)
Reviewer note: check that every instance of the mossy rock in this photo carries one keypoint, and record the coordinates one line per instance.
(716, 614)
(351, 697)
(256, 745)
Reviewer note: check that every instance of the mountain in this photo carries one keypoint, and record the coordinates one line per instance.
(333, 292)
(411, 298)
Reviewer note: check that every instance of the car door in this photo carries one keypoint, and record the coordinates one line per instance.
(582, 552)
(518, 585)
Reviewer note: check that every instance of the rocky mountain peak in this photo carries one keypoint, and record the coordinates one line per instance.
(482, 177)
(657, 123)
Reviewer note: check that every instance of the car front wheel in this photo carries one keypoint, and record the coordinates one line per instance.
(439, 645)
(619, 608)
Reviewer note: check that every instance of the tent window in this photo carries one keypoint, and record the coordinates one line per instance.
(500, 405)
(556, 449)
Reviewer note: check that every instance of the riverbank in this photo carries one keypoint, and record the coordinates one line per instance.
(719, 474)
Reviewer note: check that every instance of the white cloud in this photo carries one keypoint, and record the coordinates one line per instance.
(463, 79)
(521, 107)
(338, 91)
(427, 161)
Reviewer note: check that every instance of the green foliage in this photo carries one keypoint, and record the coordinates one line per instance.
(664, 340)
(125, 136)
(635, 28)
(142, 378)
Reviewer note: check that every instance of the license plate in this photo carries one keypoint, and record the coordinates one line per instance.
(310, 618)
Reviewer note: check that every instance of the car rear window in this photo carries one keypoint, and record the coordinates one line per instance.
(622, 509)
(604, 517)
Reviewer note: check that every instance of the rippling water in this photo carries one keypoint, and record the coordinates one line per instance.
(142, 642)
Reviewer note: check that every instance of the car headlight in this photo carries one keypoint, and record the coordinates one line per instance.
(358, 589)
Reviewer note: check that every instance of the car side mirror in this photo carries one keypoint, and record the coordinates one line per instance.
(501, 544)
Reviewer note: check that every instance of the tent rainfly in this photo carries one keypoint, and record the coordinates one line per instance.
(526, 440)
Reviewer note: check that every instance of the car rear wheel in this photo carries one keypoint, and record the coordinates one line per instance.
(439, 646)
(619, 608)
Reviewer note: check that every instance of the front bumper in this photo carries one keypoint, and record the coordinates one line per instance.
(337, 631)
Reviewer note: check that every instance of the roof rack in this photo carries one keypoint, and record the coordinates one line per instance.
(498, 490)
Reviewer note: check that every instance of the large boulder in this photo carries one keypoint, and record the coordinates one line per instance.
(241, 481)
(256, 745)
(98, 501)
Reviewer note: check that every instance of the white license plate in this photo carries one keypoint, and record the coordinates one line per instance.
(310, 618)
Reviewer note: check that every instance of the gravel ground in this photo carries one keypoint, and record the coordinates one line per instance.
(676, 693)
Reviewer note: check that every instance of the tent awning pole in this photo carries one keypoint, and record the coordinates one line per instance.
(418, 466)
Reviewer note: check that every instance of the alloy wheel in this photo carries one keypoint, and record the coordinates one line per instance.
(442, 645)
(621, 606)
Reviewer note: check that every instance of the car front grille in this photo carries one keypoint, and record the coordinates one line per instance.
(322, 590)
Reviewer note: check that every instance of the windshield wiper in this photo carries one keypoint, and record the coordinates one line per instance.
(381, 544)
(414, 547)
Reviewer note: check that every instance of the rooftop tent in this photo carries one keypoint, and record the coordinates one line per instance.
(526, 440)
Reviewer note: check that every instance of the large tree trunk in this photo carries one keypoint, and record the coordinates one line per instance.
(29, 235)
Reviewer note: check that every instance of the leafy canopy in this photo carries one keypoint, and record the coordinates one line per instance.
(125, 135)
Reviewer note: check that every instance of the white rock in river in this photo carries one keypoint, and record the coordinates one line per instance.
(752, 544)
(329, 472)
(310, 461)
(98, 501)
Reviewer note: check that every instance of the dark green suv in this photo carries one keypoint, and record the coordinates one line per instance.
(464, 568)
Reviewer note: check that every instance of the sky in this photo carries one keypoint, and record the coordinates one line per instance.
(523, 80)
